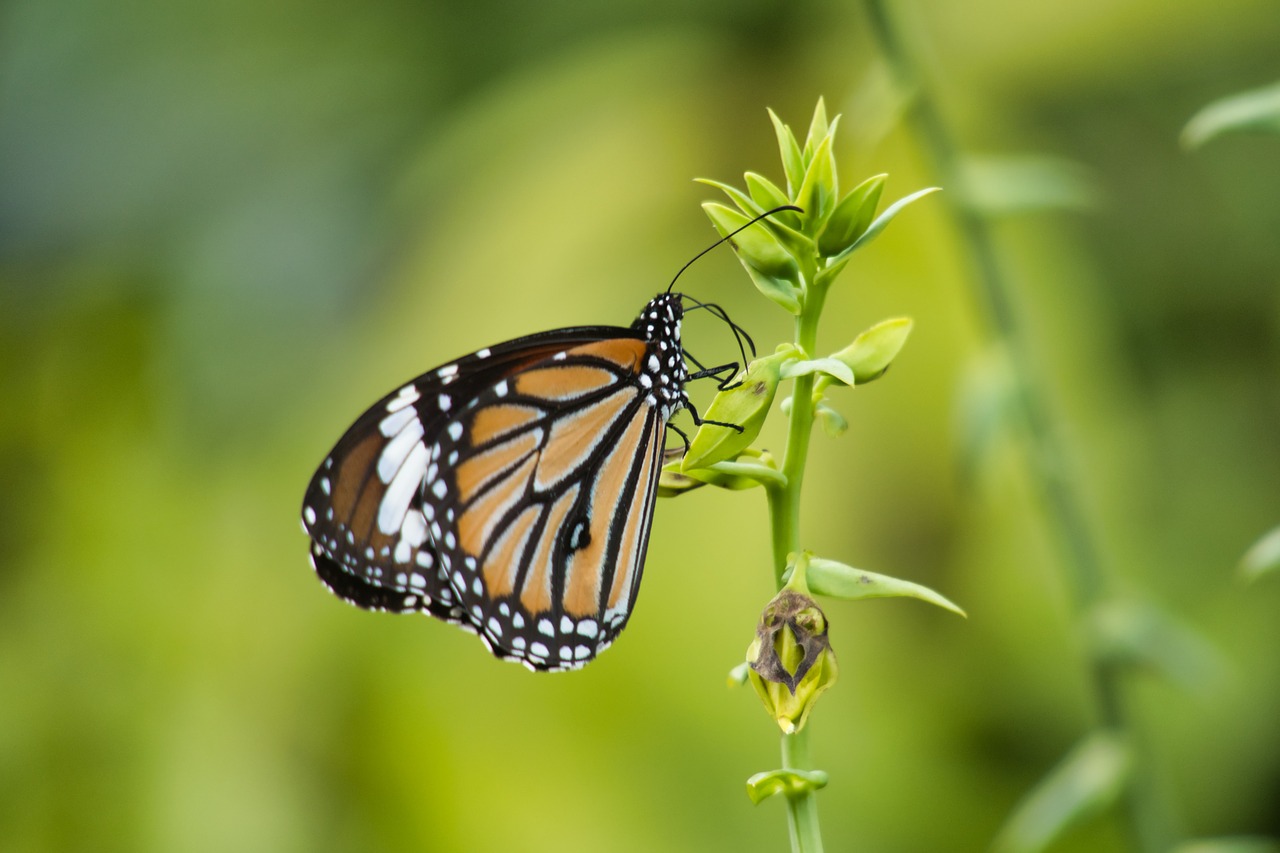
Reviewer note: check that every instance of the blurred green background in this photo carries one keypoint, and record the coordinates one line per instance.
(227, 228)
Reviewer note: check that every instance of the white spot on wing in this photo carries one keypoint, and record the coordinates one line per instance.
(408, 394)
(396, 421)
(395, 501)
(397, 450)
(414, 529)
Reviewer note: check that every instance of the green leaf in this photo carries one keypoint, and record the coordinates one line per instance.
(762, 786)
(1086, 782)
(757, 245)
(852, 216)
(744, 202)
(827, 577)
(792, 159)
(765, 192)
(819, 129)
(734, 476)
(771, 266)
(672, 482)
(1012, 184)
(874, 229)
(1256, 110)
(832, 367)
(871, 353)
(780, 223)
(768, 196)
(744, 402)
(1262, 557)
(1138, 633)
(818, 191)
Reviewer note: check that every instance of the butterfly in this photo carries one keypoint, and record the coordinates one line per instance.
(511, 491)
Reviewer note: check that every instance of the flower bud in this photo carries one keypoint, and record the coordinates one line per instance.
(791, 658)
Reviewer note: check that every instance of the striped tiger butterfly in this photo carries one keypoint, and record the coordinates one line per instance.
(511, 491)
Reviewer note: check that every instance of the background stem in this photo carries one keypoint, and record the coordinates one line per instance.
(1080, 559)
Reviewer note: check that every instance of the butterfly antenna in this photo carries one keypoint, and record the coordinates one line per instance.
(739, 333)
(764, 215)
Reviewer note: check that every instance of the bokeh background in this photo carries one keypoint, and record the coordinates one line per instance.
(227, 228)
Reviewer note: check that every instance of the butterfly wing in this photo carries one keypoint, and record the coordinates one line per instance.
(543, 500)
(510, 492)
(371, 543)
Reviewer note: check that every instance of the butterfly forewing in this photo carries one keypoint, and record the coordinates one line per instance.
(510, 491)
(370, 539)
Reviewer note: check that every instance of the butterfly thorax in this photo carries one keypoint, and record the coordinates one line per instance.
(663, 374)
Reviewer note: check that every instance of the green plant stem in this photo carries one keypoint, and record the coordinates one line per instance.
(784, 517)
(1081, 561)
(802, 809)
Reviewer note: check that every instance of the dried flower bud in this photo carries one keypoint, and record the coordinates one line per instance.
(791, 658)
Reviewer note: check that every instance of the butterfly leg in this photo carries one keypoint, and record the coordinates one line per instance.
(698, 420)
(682, 435)
(722, 373)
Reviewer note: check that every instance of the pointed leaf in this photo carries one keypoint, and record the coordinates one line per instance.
(780, 223)
(871, 353)
(1262, 557)
(744, 402)
(792, 159)
(874, 229)
(818, 129)
(817, 192)
(852, 216)
(756, 245)
(827, 577)
(744, 202)
(1256, 109)
(771, 266)
(767, 195)
(1087, 781)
